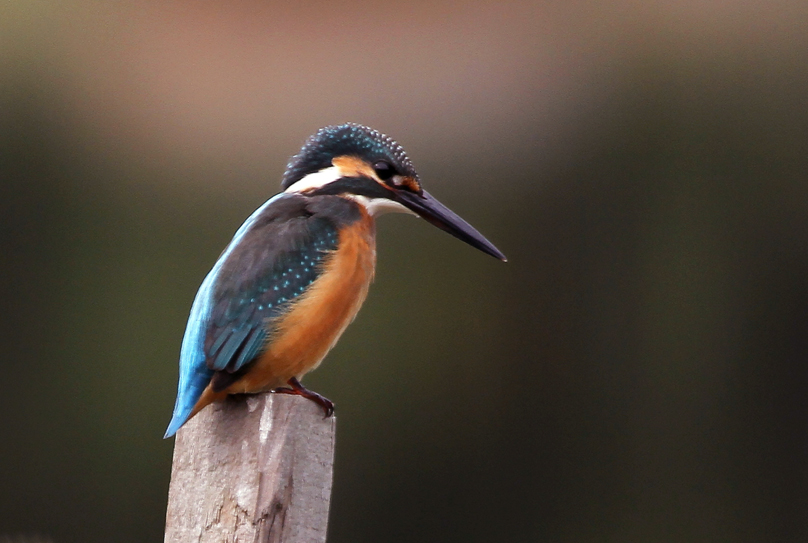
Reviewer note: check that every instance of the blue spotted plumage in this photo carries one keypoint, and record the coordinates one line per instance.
(346, 139)
(248, 300)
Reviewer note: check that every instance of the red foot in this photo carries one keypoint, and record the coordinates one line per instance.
(299, 390)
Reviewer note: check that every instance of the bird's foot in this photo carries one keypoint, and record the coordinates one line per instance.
(299, 390)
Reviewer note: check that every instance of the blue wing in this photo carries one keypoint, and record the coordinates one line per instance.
(271, 260)
(257, 283)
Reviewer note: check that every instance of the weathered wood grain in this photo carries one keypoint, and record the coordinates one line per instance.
(252, 469)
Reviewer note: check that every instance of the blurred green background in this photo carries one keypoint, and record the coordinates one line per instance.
(638, 370)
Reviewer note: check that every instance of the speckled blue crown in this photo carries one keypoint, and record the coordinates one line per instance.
(345, 139)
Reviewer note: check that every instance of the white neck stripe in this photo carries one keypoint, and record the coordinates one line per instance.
(316, 180)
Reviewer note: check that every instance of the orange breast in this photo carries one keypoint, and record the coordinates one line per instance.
(301, 338)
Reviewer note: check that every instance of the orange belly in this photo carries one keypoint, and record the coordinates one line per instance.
(302, 337)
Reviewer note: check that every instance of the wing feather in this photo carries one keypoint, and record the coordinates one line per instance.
(259, 283)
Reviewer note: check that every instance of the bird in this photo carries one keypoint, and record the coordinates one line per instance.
(298, 269)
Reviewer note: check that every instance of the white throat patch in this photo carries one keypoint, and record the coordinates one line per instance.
(379, 206)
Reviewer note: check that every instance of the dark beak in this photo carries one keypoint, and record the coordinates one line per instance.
(427, 207)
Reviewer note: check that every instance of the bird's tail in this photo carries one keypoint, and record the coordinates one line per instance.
(188, 394)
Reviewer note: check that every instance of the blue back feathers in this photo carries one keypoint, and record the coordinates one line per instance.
(273, 258)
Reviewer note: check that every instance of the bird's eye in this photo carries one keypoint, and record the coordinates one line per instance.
(384, 170)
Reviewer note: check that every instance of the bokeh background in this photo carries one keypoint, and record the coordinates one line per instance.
(638, 370)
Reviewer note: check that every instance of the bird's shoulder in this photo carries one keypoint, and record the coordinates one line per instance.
(289, 224)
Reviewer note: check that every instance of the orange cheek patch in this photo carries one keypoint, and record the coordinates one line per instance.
(411, 184)
(352, 166)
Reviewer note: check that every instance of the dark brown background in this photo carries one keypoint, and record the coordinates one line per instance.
(637, 372)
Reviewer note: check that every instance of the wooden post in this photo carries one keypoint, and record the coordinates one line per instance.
(252, 469)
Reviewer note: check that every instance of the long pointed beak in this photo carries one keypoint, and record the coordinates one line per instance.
(429, 208)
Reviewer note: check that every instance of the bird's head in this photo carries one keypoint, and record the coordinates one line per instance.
(357, 162)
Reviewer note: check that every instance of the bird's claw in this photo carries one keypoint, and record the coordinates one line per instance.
(297, 389)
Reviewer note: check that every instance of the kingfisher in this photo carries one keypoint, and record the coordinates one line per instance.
(297, 271)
